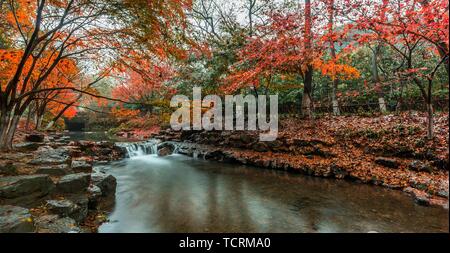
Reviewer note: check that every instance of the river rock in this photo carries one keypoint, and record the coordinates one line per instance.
(165, 149)
(67, 208)
(74, 183)
(260, 147)
(24, 189)
(420, 197)
(82, 201)
(106, 182)
(34, 137)
(420, 166)
(14, 219)
(81, 166)
(49, 156)
(54, 170)
(26, 146)
(94, 195)
(8, 169)
(387, 162)
(54, 224)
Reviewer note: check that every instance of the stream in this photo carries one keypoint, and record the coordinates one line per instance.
(177, 193)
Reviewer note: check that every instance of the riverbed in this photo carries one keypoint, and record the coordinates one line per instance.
(177, 193)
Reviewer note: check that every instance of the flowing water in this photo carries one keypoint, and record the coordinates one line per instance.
(181, 194)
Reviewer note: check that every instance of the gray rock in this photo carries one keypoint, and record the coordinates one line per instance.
(387, 162)
(106, 182)
(165, 149)
(24, 189)
(82, 202)
(420, 166)
(74, 183)
(260, 147)
(67, 208)
(81, 166)
(94, 195)
(55, 224)
(34, 137)
(50, 156)
(61, 207)
(55, 170)
(26, 146)
(14, 219)
(8, 169)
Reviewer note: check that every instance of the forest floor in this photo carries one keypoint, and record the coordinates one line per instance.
(387, 150)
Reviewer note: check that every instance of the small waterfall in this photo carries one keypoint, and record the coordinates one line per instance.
(135, 149)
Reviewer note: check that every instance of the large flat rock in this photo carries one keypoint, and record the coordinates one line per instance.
(50, 156)
(55, 224)
(54, 170)
(14, 219)
(74, 183)
(24, 189)
(106, 182)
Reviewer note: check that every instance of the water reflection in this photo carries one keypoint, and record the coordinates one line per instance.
(180, 194)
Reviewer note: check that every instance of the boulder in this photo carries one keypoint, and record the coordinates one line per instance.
(260, 147)
(25, 189)
(14, 219)
(106, 182)
(420, 166)
(50, 156)
(105, 144)
(55, 224)
(67, 208)
(420, 197)
(216, 155)
(55, 170)
(8, 169)
(74, 183)
(165, 149)
(34, 137)
(26, 146)
(81, 166)
(94, 195)
(387, 162)
(82, 202)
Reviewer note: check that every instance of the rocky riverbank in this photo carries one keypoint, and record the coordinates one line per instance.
(48, 184)
(389, 151)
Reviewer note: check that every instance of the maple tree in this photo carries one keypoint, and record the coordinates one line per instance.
(288, 48)
(405, 26)
(48, 35)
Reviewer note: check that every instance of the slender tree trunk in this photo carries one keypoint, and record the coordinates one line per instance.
(430, 121)
(334, 101)
(4, 122)
(53, 121)
(376, 78)
(12, 130)
(335, 80)
(430, 111)
(307, 90)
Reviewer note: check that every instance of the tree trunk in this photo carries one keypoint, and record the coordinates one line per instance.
(335, 80)
(376, 78)
(4, 122)
(430, 121)
(334, 101)
(11, 131)
(307, 98)
(307, 89)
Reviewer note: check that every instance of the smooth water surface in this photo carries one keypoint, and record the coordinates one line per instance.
(181, 194)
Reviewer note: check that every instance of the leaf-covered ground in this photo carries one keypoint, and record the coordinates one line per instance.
(348, 146)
